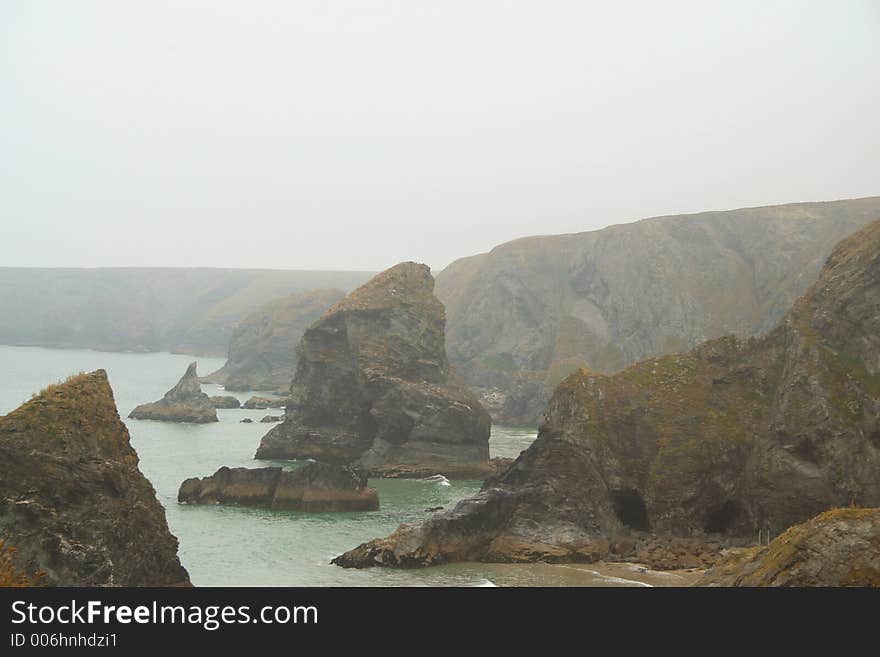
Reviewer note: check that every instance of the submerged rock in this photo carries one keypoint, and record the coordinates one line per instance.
(246, 420)
(373, 385)
(318, 487)
(262, 350)
(185, 402)
(731, 439)
(225, 401)
(837, 548)
(72, 500)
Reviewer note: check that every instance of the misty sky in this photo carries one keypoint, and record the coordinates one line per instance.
(321, 134)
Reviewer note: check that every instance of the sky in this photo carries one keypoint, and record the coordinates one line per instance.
(328, 134)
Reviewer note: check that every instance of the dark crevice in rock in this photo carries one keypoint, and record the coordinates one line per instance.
(630, 509)
(722, 519)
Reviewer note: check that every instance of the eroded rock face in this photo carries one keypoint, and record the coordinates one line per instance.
(262, 350)
(317, 487)
(837, 548)
(72, 499)
(373, 384)
(534, 310)
(185, 402)
(733, 437)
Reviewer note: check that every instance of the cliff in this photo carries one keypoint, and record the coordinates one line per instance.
(729, 439)
(262, 350)
(72, 500)
(185, 402)
(530, 312)
(373, 385)
(192, 311)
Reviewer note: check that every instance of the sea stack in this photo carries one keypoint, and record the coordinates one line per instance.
(315, 487)
(262, 350)
(373, 386)
(736, 439)
(185, 402)
(73, 502)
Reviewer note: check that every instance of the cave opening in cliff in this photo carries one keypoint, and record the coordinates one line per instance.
(722, 519)
(630, 509)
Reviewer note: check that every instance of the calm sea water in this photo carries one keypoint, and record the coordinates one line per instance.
(228, 545)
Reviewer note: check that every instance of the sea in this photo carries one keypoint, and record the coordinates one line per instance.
(239, 546)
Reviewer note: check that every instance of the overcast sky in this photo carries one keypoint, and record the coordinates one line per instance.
(322, 134)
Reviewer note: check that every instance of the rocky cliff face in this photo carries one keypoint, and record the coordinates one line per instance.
(185, 402)
(530, 312)
(373, 384)
(315, 487)
(838, 548)
(72, 499)
(262, 350)
(729, 439)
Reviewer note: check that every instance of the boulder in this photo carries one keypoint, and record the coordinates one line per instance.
(732, 439)
(373, 385)
(73, 502)
(317, 487)
(185, 402)
(272, 418)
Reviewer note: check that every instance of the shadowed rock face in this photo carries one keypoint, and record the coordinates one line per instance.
(262, 350)
(72, 499)
(373, 384)
(837, 548)
(530, 312)
(317, 487)
(733, 437)
(185, 402)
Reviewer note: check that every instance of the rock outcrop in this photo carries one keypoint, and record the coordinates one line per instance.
(838, 548)
(734, 438)
(373, 385)
(261, 403)
(271, 418)
(185, 402)
(225, 401)
(72, 500)
(534, 310)
(262, 350)
(316, 487)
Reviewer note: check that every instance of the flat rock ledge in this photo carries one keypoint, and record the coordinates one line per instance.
(316, 487)
(656, 552)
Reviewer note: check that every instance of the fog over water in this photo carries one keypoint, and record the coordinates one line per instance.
(356, 134)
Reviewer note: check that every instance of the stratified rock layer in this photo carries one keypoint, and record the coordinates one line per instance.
(262, 350)
(72, 499)
(373, 384)
(837, 548)
(732, 438)
(317, 487)
(185, 402)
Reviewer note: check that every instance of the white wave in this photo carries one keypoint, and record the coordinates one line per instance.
(437, 479)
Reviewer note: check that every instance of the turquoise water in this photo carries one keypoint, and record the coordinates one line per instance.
(228, 545)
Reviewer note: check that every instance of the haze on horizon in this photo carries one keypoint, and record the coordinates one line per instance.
(354, 135)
